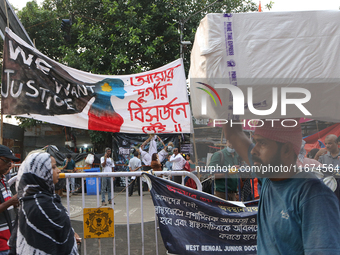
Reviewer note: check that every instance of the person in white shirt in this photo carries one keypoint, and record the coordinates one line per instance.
(134, 165)
(146, 156)
(178, 163)
(107, 166)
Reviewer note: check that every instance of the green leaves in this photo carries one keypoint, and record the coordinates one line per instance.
(133, 34)
(28, 123)
(100, 140)
(119, 37)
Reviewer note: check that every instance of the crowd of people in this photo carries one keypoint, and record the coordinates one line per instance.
(298, 213)
(34, 221)
(166, 159)
(246, 189)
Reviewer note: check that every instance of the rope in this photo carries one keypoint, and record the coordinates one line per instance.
(44, 22)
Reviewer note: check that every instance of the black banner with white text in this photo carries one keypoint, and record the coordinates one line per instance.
(194, 222)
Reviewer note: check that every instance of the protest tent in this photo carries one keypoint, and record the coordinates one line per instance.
(313, 141)
(60, 153)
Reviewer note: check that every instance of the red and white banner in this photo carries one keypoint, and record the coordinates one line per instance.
(35, 86)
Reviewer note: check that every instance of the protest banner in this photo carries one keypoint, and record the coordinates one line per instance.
(194, 222)
(35, 86)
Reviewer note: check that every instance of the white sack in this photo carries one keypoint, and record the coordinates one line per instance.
(266, 50)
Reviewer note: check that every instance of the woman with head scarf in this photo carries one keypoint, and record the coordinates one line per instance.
(43, 225)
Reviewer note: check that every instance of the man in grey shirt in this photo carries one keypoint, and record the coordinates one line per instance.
(332, 160)
(134, 165)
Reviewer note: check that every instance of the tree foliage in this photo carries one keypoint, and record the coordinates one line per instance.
(43, 27)
(119, 37)
(100, 140)
(28, 123)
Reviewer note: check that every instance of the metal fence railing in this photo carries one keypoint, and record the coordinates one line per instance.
(125, 175)
(98, 175)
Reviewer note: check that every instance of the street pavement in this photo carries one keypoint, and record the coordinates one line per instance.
(105, 245)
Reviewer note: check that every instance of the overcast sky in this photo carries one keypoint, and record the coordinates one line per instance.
(279, 5)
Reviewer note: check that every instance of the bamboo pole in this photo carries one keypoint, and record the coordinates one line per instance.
(196, 158)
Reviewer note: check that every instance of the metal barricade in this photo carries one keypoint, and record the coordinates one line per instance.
(98, 175)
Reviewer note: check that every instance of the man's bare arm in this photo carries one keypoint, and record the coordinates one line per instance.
(145, 142)
(320, 153)
(12, 201)
(238, 139)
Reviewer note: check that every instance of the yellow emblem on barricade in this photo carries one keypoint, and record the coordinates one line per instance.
(98, 222)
